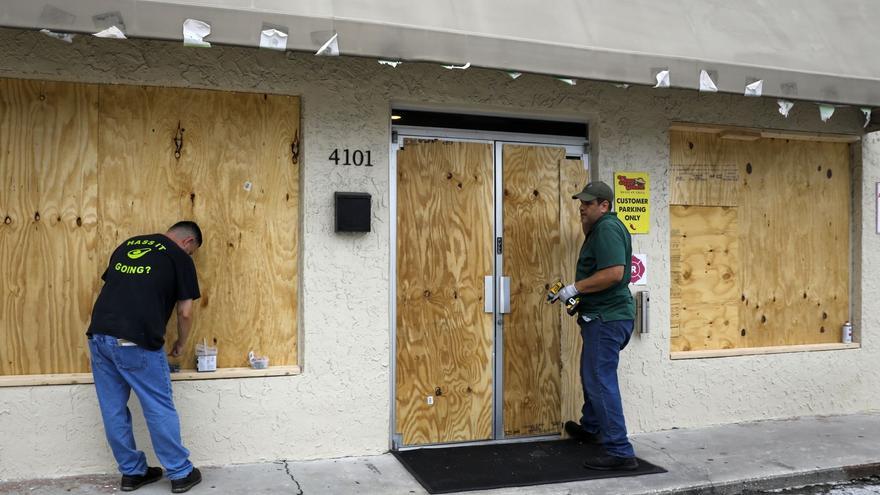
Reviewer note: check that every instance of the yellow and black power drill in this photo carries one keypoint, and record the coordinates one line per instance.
(570, 305)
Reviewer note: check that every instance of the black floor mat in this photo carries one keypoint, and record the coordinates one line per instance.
(481, 467)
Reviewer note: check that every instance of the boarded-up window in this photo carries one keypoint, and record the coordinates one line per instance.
(760, 241)
(84, 167)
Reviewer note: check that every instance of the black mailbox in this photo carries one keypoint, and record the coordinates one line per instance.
(352, 211)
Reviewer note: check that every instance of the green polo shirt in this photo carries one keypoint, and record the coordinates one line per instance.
(608, 244)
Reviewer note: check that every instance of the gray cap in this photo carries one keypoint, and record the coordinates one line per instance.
(595, 190)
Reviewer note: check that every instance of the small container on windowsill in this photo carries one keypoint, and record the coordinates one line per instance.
(258, 362)
(846, 332)
(206, 357)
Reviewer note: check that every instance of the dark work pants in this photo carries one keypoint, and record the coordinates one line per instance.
(603, 410)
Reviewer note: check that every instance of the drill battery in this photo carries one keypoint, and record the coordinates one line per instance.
(571, 303)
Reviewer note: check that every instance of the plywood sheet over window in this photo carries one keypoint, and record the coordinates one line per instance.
(106, 170)
(760, 241)
(49, 242)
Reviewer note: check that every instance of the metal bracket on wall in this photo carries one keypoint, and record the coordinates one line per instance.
(396, 441)
(294, 148)
(178, 141)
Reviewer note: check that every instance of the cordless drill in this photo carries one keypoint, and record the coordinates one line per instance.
(570, 305)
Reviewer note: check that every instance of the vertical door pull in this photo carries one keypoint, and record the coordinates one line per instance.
(488, 298)
(504, 299)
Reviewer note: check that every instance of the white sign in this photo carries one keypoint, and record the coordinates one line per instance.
(639, 269)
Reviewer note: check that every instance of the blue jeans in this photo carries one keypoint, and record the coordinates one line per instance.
(120, 369)
(603, 410)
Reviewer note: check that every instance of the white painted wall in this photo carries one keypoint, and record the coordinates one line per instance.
(340, 404)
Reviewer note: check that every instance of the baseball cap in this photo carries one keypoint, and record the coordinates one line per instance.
(595, 190)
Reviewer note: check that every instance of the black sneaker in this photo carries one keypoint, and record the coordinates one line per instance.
(132, 483)
(611, 463)
(184, 484)
(576, 431)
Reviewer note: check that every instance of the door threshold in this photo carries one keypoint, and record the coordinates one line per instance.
(537, 438)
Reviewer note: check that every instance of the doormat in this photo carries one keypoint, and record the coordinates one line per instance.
(482, 467)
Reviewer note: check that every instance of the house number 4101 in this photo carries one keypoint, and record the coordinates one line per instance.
(351, 157)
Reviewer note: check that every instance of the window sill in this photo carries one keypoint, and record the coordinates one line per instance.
(183, 375)
(752, 351)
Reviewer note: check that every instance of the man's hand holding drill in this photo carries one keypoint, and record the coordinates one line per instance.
(567, 292)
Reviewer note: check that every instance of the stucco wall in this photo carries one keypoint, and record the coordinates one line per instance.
(340, 404)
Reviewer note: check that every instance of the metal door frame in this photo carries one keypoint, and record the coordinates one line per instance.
(573, 147)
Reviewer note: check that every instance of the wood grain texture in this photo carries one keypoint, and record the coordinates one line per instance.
(532, 261)
(572, 177)
(703, 169)
(791, 233)
(235, 177)
(444, 249)
(795, 235)
(705, 267)
(48, 234)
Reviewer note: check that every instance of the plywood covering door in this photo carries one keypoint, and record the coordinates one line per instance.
(446, 338)
(532, 261)
(444, 251)
(572, 177)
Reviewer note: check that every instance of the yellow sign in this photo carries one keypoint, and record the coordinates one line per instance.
(632, 201)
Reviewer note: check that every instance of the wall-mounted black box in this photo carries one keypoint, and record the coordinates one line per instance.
(352, 211)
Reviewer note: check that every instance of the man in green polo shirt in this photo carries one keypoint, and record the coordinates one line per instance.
(605, 314)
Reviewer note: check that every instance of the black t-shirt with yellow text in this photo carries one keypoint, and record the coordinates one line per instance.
(145, 278)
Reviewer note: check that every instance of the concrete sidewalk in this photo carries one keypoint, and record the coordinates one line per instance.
(721, 460)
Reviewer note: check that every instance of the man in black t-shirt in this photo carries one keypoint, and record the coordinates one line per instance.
(147, 277)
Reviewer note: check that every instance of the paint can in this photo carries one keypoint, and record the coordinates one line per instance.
(206, 357)
(846, 333)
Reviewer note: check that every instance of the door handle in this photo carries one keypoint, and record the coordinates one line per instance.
(504, 299)
(488, 297)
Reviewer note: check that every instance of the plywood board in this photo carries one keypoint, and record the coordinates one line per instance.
(89, 166)
(572, 178)
(703, 170)
(705, 266)
(236, 178)
(795, 228)
(444, 251)
(791, 233)
(532, 252)
(48, 224)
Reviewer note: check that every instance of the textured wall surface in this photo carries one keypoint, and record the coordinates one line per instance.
(340, 404)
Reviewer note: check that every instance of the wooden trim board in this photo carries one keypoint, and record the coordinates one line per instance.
(185, 375)
(748, 134)
(752, 351)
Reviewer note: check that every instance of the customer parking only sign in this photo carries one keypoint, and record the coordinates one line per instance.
(632, 200)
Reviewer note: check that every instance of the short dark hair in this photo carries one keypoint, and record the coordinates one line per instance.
(190, 228)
